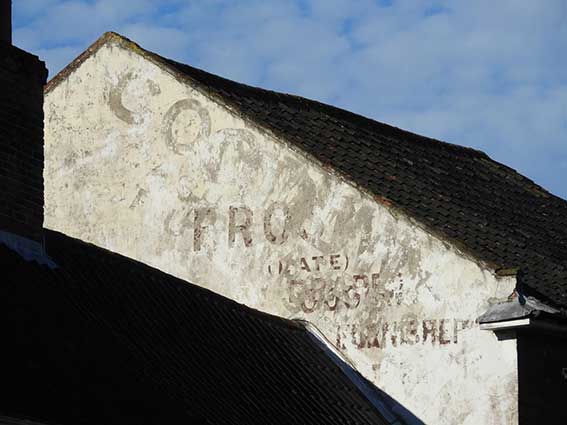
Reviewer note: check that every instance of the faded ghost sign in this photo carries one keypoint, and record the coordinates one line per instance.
(165, 174)
(315, 283)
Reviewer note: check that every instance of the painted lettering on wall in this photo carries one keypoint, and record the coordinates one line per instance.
(243, 226)
(383, 333)
(313, 293)
(325, 283)
(310, 264)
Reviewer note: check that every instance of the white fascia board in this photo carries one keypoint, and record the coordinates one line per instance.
(508, 324)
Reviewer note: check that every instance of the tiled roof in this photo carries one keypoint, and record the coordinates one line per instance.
(102, 339)
(482, 206)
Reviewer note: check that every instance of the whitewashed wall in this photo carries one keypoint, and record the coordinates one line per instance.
(147, 166)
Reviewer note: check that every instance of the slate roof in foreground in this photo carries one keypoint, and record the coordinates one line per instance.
(482, 206)
(102, 339)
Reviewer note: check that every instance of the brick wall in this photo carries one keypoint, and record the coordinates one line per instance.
(22, 77)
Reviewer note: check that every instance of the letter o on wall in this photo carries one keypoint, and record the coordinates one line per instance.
(268, 231)
(171, 116)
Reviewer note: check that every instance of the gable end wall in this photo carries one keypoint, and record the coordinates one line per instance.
(144, 165)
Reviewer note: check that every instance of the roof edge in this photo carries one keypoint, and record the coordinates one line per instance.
(13, 420)
(170, 66)
(392, 412)
(169, 279)
(78, 61)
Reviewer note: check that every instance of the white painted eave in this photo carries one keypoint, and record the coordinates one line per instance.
(508, 324)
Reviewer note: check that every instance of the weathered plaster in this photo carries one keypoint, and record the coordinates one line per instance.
(144, 165)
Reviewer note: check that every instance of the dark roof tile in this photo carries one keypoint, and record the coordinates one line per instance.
(104, 339)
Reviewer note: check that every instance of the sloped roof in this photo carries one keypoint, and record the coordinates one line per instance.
(486, 208)
(4, 420)
(102, 339)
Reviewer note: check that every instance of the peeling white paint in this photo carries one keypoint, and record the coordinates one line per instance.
(149, 167)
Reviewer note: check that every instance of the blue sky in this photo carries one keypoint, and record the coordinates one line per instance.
(487, 74)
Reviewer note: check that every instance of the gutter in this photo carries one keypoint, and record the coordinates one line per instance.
(505, 325)
(526, 314)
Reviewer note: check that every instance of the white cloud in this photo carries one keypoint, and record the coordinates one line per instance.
(481, 73)
(59, 57)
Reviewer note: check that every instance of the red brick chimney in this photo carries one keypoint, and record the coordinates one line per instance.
(22, 77)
